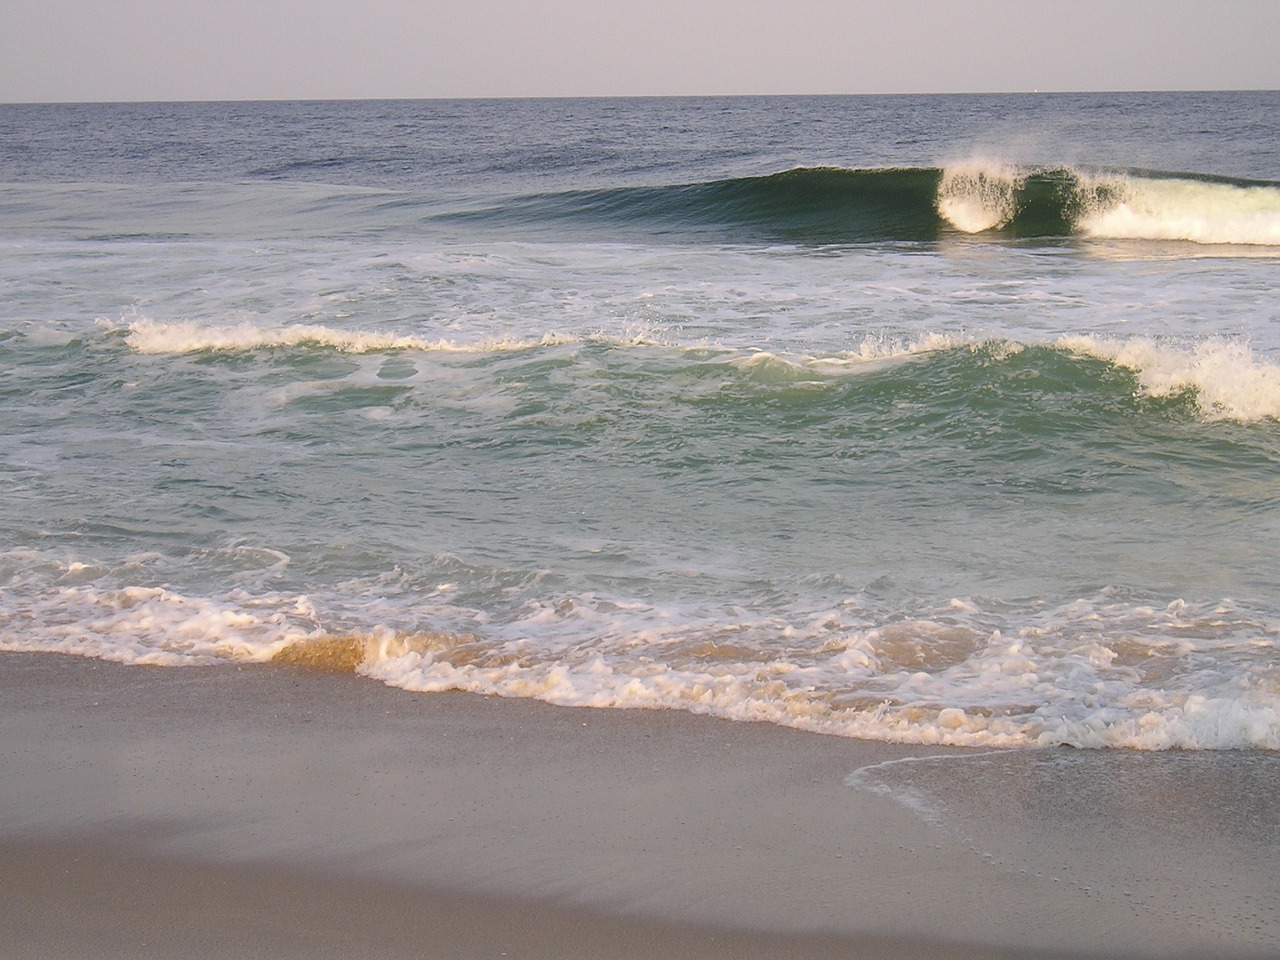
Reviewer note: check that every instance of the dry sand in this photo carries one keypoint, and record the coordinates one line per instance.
(273, 812)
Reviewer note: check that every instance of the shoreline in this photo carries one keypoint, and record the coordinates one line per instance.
(268, 810)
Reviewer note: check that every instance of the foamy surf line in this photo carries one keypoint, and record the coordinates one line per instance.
(1228, 380)
(155, 337)
(1095, 673)
(178, 337)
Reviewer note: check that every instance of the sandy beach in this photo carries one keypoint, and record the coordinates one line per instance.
(278, 812)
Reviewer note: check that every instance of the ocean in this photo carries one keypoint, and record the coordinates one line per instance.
(936, 420)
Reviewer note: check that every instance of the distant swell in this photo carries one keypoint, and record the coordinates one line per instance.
(834, 205)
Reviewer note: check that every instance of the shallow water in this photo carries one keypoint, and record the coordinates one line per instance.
(945, 420)
(1183, 830)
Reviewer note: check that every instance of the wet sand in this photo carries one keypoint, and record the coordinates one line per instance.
(275, 812)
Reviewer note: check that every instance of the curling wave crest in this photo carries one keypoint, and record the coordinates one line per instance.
(977, 196)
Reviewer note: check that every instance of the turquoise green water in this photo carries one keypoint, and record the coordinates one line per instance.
(842, 430)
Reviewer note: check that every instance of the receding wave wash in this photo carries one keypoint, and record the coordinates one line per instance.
(936, 420)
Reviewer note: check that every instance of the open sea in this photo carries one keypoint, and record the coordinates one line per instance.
(940, 420)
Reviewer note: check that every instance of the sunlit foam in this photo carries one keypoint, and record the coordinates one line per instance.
(874, 351)
(978, 195)
(153, 625)
(1140, 208)
(148, 336)
(1229, 382)
(1097, 672)
(158, 337)
(981, 195)
(1094, 673)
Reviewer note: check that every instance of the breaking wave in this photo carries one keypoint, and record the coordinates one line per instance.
(1222, 378)
(837, 205)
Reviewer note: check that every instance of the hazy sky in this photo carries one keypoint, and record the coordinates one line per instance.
(269, 49)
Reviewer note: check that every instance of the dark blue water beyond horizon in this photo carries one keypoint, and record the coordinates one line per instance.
(938, 419)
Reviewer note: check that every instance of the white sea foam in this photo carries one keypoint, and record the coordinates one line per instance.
(148, 336)
(185, 336)
(155, 626)
(873, 352)
(876, 348)
(1229, 382)
(1099, 672)
(978, 195)
(1095, 673)
(1142, 208)
(58, 605)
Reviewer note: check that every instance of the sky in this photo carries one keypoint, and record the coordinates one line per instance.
(88, 50)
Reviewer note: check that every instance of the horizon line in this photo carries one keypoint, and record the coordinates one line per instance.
(637, 96)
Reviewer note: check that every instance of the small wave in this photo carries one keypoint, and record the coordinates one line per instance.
(1228, 381)
(873, 353)
(1224, 377)
(879, 347)
(178, 337)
